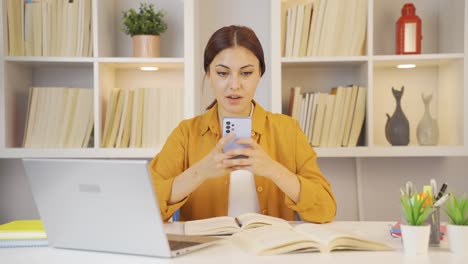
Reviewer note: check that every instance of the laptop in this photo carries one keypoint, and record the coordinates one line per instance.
(103, 205)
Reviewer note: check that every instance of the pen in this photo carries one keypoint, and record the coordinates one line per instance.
(442, 200)
(442, 191)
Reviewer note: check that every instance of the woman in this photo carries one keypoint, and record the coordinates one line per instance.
(193, 173)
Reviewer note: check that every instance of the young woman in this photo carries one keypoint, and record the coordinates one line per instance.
(194, 174)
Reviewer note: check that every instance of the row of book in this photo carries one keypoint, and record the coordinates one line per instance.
(59, 117)
(332, 119)
(23, 233)
(323, 27)
(49, 28)
(142, 117)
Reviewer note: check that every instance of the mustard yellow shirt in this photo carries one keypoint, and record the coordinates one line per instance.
(279, 135)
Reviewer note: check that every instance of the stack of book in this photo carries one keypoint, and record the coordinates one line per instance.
(330, 119)
(49, 28)
(23, 233)
(59, 117)
(143, 117)
(323, 27)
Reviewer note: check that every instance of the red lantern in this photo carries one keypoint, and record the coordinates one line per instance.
(408, 33)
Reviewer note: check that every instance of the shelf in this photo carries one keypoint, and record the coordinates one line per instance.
(146, 153)
(34, 59)
(323, 60)
(405, 151)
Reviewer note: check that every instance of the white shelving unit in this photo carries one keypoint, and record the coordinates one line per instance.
(440, 69)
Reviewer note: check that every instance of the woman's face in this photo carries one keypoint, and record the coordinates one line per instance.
(234, 74)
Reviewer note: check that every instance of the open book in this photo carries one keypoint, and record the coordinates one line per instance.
(304, 237)
(226, 225)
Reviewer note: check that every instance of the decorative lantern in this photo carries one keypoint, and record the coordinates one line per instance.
(408, 33)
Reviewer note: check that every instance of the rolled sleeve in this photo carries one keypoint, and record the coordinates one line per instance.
(316, 200)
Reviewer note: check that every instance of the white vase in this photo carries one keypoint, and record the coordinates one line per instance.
(415, 239)
(458, 239)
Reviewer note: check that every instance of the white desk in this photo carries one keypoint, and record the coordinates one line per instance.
(227, 253)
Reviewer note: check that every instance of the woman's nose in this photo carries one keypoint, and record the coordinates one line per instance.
(235, 82)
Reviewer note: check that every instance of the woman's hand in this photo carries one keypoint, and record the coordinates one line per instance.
(257, 160)
(212, 165)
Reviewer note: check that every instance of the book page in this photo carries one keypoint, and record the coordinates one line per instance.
(269, 240)
(223, 225)
(334, 239)
(252, 220)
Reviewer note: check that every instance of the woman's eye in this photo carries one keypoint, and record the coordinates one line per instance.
(246, 74)
(222, 73)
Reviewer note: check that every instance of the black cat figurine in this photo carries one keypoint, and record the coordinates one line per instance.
(397, 126)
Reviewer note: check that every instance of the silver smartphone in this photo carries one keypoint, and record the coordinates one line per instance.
(240, 126)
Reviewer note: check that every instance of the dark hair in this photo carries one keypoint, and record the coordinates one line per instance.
(232, 36)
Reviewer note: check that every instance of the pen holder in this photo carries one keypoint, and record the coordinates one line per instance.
(434, 221)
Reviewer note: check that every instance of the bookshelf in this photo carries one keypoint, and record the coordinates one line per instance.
(440, 69)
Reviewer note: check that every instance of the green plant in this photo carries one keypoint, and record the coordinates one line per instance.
(457, 210)
(416, 208)
(145, 22)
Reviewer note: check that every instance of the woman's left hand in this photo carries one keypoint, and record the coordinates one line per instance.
(256, 160)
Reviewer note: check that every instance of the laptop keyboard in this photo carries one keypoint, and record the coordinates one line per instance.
(175, 245)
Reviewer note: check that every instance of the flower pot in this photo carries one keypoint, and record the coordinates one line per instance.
(415, 239)
(458, 239)
(146, 46)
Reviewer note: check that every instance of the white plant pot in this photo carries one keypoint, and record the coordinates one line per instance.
(458, 239)
(415, 239)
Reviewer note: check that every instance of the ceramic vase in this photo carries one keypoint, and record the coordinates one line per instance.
(146, 45)
(458, 239)
(427, 131)
(415, 239)
(397, 126)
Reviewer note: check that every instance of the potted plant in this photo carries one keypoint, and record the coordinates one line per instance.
(145, 28)
(457, 229)
(414, 230)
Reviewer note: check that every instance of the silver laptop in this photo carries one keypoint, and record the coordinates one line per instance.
(103, 205)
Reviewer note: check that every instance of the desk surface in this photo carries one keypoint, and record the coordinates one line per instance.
(225, 252)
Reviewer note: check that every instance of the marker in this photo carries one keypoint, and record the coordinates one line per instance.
(442, 200)
(442, 191)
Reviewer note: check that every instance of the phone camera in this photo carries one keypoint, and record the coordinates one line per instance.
(228, 131)
(228, 122)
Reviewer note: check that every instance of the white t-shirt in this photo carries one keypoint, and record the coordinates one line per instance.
(242, 192)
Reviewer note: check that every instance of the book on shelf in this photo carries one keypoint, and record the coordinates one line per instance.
(48, 27)
(227, 225)
(58, 117)
(306, 237)
(23, 233)
(321, 106)
(327, 119)
(358, 117)
(349, 115)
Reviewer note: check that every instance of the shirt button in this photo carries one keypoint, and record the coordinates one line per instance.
(259, 189)
(264, 211)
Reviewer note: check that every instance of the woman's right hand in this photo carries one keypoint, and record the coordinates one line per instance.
(212, 165)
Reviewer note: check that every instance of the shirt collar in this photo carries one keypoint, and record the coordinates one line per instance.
(210, 120)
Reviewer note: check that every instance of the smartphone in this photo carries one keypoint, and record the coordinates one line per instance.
(240, 126)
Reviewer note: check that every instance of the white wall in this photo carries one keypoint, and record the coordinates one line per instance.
(378, 181)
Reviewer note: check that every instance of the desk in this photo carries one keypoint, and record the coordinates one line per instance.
(225, 252)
